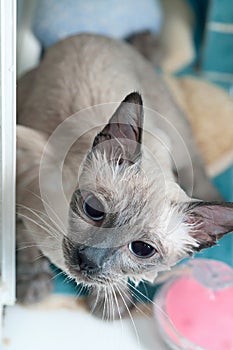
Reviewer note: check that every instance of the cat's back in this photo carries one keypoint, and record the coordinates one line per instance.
(79, 72)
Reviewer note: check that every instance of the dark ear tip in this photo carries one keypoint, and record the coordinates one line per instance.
(199, 204)
(134, 97)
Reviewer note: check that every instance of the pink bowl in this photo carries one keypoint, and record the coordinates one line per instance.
(195, 310)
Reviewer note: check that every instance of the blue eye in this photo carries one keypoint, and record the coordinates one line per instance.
(141, 249)
(93, 208)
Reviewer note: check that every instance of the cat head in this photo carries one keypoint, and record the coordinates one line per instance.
(122, 224)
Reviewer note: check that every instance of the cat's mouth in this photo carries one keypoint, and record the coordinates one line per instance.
(93, 278)
(83, 272)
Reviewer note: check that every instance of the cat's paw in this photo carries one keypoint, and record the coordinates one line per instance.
(109, 305)
(34, 289)
(34, 278)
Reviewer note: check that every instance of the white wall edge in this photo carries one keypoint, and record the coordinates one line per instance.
(8, 148)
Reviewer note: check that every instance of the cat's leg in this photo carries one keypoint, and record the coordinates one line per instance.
(33, 273)
(110, 303)
(34, 277)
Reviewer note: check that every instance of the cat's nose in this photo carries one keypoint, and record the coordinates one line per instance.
(86, 263)
(92, 259)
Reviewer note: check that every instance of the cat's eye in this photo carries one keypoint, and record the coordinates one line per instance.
(93, 208)
(141, 249)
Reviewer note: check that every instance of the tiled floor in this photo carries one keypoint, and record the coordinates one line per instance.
(61, 323)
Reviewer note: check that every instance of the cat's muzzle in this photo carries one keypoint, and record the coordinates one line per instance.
(86, 264)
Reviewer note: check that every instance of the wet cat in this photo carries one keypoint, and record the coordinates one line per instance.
(107, 175)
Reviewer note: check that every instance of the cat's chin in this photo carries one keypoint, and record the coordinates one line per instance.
(92, 280)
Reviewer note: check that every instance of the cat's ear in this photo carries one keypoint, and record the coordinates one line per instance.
(209, 222)
(122, 136)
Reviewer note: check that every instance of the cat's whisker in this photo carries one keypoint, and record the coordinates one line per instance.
(60, 273)
(38, 257)
(130, 315)
(30, 244)
(68, 279)
(30, 232)
(80, 291)
(145, 288)
(159, 309)
(117, 305)
(96, 301)
(36, 245)
(32, 211)
(105, 302)
(36, 212)
(49, 206)
(113, 303)
(109, 304)
(44, 228)
(53, 229)
(134, 304)
(136, 291)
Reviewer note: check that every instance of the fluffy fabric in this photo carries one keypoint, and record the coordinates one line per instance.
(210, 112)
(217, 55)
(55, 20)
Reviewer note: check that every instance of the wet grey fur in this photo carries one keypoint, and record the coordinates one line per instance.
(78, 73)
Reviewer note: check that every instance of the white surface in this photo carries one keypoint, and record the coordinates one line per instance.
(8, 146)
(64, 325)
(28, 47)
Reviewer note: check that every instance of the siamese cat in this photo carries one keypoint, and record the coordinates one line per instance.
(110, 184)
